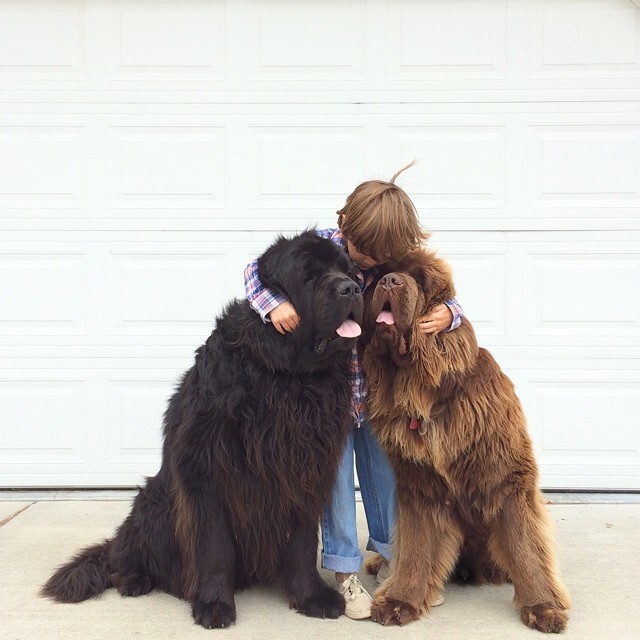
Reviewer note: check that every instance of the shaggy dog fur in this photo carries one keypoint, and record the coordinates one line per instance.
(450, 421)
(252, 441)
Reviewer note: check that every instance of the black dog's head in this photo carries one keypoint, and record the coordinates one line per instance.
(316, 276)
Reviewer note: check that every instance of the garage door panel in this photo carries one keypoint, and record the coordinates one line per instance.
(97, 424)
(481, 281)
(42, 166)
(42, 40)
(44, 293)
(165, 40)
(167, 166)
(452, 40)
(295, 42)
(331, 157)
(615, 475)
(136, 406)
(584, 39)
(582, 422)
(44, 419)
(586, 166)
(154, 293)
(459, 166)
(590, 293)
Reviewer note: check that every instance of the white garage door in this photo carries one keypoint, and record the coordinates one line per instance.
(150, 148)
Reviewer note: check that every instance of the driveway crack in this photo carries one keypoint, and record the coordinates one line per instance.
(15, 515)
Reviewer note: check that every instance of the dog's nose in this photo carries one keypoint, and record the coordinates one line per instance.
(348, 288)
(391, 281)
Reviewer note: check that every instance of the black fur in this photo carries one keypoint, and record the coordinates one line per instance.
(252, 440)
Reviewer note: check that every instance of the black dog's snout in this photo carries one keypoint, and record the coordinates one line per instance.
(348, 288)
(391, 281)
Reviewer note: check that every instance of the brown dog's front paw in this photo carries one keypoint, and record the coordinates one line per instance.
(546, 617)
(388, 611)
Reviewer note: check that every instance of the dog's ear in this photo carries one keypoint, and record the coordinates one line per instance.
(288, 268)
(445, 353)
(279, 266)
(273, 263)
(432, 274)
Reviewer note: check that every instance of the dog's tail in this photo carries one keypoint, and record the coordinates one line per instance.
(85, 576)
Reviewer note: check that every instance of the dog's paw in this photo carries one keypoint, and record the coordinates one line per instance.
(213, 615)
(546, 617)
(327, 603)
(388, 611)
(373, 563)
(134, 585)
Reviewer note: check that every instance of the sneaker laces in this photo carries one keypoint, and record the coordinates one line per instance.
(354, 587)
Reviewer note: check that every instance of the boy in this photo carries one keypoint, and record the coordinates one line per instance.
(378, 223)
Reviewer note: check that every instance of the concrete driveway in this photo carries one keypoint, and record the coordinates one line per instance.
(599, 545)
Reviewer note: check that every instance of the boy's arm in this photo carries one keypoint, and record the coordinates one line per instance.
(456, 312)
(445, 317)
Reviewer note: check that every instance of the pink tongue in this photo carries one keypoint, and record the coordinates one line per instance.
(386, 317)
(349, 329)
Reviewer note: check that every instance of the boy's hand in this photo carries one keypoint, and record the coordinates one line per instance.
(284, 318)
(438, 321)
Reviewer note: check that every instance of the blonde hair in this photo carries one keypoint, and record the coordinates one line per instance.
(381, 220)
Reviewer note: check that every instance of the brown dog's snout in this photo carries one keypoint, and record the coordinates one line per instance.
(391, 281)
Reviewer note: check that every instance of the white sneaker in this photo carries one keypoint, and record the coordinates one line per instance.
(356, 597)
(384, 572)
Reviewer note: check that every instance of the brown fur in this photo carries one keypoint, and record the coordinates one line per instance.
(467, 481)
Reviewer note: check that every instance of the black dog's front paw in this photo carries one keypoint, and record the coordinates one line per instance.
(134, 585)
(213, 615)
(327, 603)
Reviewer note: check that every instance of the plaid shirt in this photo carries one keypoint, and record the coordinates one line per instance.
(263, 301)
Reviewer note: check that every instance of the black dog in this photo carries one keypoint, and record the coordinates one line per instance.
(252, 440)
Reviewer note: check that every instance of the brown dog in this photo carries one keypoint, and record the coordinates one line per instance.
(455, 432)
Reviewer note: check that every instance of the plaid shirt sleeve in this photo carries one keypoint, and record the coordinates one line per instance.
(262, 300)
(457, 312)
(330, 234)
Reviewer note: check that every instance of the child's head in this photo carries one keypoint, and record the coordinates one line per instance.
(380, 220)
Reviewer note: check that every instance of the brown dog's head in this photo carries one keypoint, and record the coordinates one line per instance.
(402, 298)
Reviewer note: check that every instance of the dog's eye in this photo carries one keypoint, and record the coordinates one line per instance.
(309, 278)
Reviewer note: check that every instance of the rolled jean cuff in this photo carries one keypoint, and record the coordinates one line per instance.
(341, 564)
(383, 548)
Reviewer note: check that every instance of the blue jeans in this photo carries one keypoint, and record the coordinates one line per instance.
(340, 549)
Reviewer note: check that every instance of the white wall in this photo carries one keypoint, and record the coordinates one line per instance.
(150, 148)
